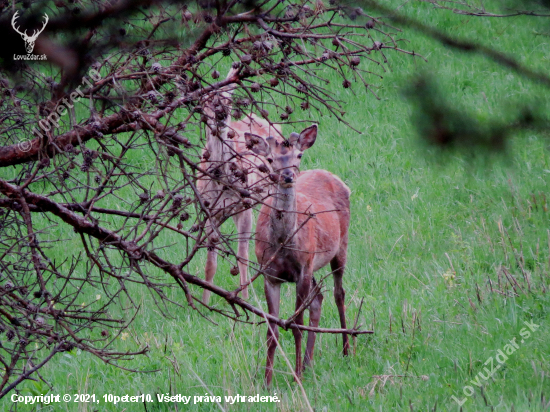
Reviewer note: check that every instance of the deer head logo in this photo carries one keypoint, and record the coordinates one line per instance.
(29, 40)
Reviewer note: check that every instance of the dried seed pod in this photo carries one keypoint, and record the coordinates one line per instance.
(247, 203)
(274, 82)
(206, 154)
(186, 16)
(255, 88)
(97, 179)
(157, 67)
(304, 105)
(264, 113)
(226, 52)
(170, 95)
(377, 45)
(336, 41)
(176, 204)
(263, 168)
(143, 197)
(346, 83)
(284, 116)
(289, 109)
(242, 102)
(206, 203)
(237, 114)
(370, 24)
(184, 216)
(208, 18)
(152, 96)
(194, 228)
(246, 58)
(10, 334)
(215, 74)
(231, 134)
(301, 88)
(355, 61)
(234, 271)
(104, 333)
(160, 194)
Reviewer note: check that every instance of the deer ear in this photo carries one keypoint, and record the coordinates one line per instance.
(257, 144)
(307, 138)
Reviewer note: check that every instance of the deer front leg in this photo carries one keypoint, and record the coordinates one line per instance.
(272, 296)
(243, 221)
(209, 272)
(303, 287)
(211, 260)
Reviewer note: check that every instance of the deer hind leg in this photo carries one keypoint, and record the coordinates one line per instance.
(243, 221)
(272, 295)
(303, 287)
(314, 318)
(338, 265)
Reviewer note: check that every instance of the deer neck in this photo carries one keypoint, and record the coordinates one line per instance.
(283, 216)
(220, 147)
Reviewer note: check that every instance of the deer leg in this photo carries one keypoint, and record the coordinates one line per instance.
(302, 291)
(209, 272)
(211, 265)
(314, 318)
(337, 265)
(243, 221)
(272, 296)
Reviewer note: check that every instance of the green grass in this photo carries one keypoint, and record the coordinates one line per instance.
(429, 235)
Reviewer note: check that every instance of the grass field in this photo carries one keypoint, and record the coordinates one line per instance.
(449, 254)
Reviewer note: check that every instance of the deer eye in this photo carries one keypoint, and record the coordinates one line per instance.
(299, 155)
(270, 160)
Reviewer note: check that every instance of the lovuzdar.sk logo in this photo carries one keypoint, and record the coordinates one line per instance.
(29, 40)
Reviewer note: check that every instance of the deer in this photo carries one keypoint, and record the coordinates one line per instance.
(29, 40)
(302, 227)
(225, 156)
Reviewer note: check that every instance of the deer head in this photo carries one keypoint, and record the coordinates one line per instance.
(29, 40)
(283, 157)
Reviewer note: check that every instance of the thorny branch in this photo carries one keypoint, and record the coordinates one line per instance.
(101, 148)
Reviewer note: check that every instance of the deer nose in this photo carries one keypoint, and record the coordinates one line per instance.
(288, 176)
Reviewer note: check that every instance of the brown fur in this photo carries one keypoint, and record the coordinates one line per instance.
(224, 203)
(301, 228)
